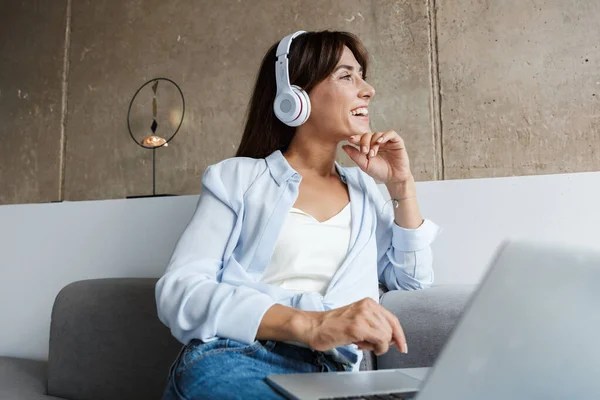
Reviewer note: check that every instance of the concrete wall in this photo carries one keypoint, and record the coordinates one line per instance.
(476, 88)
(520, 84)
(32, 41)
(44, 247)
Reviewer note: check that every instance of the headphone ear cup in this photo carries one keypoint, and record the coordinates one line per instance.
(286, 106)
(304, 106)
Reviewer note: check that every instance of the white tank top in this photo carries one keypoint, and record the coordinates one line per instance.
(308, 252)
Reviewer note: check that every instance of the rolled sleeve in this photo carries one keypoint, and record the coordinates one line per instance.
(414, 239)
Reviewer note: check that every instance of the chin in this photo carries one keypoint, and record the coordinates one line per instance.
(359, 130)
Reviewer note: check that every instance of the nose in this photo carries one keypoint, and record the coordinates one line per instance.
(366, 91)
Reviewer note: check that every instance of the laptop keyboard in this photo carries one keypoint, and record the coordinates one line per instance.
(389, 396)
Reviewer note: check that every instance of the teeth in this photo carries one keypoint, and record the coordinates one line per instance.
(360, 111)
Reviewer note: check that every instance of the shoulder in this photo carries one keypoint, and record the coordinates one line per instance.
(236, 173)
(237, 167)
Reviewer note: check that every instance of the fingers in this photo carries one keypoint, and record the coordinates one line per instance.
(365, 323)
(379, 328)
(398, 336)
(363, 345)
(376, 141)
(369, 143)
(356, 156)
(380, 321)
(369, 328)
(363, 148)
(363, 142)
(378, 344)
(390, 330)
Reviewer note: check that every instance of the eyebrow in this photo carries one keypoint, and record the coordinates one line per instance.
(348, 67)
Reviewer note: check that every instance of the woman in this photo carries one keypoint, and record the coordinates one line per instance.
(278, 270)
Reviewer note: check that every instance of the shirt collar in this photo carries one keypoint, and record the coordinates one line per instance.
(281, 170)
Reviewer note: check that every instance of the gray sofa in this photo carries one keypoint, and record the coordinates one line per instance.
(107, 343)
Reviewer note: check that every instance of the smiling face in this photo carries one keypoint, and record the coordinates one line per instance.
(339, 103)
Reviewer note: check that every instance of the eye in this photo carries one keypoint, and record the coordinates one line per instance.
(347, 77)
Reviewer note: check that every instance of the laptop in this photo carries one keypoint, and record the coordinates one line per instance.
(530, 331)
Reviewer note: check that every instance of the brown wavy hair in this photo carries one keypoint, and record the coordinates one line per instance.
(313, 57)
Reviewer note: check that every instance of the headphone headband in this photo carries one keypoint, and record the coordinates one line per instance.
(286, 43)
(292, 104)
(282, 75)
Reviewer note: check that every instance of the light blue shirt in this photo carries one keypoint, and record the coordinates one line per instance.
(212, 287)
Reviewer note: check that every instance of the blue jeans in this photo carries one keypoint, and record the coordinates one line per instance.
(226, 369)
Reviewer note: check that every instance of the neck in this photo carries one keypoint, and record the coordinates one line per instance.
(311, 156)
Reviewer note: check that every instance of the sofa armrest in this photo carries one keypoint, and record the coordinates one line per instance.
(427, 317)
(23, 379)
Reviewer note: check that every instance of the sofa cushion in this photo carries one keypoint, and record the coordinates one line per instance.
(23, 379)
(427, 318)
(106, 342)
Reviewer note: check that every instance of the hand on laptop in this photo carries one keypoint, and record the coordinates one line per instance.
(364, 323)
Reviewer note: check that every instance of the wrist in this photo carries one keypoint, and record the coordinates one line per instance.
(301, 326)
(403, 189)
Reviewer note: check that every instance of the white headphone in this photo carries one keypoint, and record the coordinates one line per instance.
(291, 105)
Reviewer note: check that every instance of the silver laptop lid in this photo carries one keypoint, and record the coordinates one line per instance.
(532, 330)
(314, 386)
